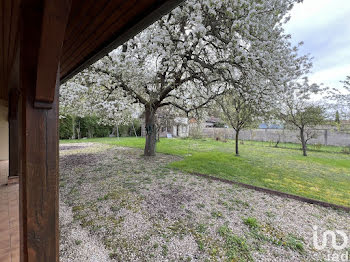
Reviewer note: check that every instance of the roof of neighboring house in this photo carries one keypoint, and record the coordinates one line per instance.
(270, 126)
(192, 120)
(213, 120)
(181, 120)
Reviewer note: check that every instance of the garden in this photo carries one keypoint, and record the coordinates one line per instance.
(323, 175)
(171, 194)
(118, 205)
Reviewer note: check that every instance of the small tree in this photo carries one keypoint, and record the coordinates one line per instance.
(297, 110)
(250, 100)
(337, 117)
(239, 111)
(341, 99)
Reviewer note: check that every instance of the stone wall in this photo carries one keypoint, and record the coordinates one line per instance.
(324, 137)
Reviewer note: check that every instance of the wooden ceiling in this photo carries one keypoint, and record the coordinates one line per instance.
(94, 28)
(9, 37)
(97, 27)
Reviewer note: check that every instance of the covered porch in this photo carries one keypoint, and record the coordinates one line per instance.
(44, 43)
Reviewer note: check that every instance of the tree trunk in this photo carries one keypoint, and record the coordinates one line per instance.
(91, 133)
(236, 137)
(303, 142)
(151, 134)
(133, 127)
(78, 130)
(118, 132)
(73, 127)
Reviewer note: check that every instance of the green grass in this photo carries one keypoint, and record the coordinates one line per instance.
(312, 148)
(251, 222)
(323, 175)
(235, 246)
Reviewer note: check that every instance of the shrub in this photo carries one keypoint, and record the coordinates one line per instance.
(318, 146)
(65, 127)
(346, 150)
(90, 127)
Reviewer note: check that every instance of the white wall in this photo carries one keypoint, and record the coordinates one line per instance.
(4, 133)
(329, 137)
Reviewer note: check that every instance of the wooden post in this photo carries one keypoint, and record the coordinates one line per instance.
(39, 178)
(42, 34)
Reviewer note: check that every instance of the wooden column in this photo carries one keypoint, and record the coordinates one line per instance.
(43, 24)
(39, 178)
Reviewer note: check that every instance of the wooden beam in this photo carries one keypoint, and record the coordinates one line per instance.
(54, 22)
(39, 147)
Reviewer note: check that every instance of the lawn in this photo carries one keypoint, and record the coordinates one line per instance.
(322, 175)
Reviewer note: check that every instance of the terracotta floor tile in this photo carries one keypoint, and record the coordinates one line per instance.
(5, 243)
(4, 228)
(4, 218)
(9, 224)
(15, 256)
(4, 208)
(14, 229)
(15, 243)
(6, 257)
(13, 204)
(5, 234)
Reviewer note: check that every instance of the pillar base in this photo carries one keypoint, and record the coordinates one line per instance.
(13, 180)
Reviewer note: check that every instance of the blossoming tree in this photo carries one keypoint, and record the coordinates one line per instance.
(195, 54)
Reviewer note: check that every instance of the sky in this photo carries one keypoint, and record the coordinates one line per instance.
(324, 27)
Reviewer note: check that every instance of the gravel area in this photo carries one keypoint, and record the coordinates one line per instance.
(64, 147)
(117, 205)
(76, 243)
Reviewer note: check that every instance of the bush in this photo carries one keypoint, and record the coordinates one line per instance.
(317, 147)
(90, 127)
(65, 127)
(346, 150)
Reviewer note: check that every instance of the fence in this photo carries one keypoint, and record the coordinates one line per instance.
(323, 137)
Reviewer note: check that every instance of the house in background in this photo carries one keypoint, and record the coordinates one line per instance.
(213, 122)
(270, 126)
(180, 127)
(169, 125)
